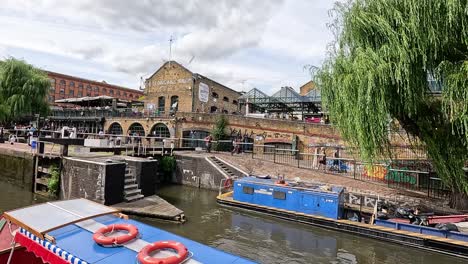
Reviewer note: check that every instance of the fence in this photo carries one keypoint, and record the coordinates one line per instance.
(410, 172)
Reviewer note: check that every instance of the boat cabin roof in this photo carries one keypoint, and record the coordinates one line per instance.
(42, 218)
(300, 186)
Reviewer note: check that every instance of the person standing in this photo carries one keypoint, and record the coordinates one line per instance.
(208, 140)
(234, 146)
(323, 160)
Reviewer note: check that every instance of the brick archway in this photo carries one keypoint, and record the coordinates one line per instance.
(115, 128)
(136, 127)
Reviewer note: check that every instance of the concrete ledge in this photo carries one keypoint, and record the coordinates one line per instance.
(152, 206)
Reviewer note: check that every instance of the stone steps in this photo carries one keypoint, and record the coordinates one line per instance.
(130, 187)
(131, 191)
(223, 167)
(134, 197)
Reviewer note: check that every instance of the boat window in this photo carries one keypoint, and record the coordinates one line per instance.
(248, 190)
(279, 195)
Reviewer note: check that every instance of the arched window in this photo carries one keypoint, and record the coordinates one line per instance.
(111, 92)
(115, 129)
(136, 129)
(160, 130)
(215, 95)
(194, 138)
(213, 109)
(104, 91)
(88, 87)
(80, 86)
(225, 99)
(96, 89)
(71, 84)
(174, 103)
(161, 104)
(234, 102)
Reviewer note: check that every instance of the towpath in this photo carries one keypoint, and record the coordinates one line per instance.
(353, 186)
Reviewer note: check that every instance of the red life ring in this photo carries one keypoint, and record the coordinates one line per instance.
(100, 238)
(281, 183)
(144, 255)
(228, 183)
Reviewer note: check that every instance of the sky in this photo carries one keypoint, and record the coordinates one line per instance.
(243, 44)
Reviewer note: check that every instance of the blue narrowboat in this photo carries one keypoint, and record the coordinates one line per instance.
(319, 200)
(323, 206)
(80, 231)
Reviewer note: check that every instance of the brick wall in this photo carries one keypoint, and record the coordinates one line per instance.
(173, 80)
(66, 86)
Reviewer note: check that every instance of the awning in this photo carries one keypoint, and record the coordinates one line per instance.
(42, 218)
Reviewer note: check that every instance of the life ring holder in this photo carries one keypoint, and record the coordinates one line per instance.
(228, 183)
(183, 254)
(103, 240)
(279, 183)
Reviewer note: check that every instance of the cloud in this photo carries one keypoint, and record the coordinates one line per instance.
(262, 43)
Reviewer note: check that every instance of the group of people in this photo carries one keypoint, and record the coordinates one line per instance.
(236, 144)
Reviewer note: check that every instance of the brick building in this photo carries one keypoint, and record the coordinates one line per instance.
(66, 86)
(175, 88)
(307, 87)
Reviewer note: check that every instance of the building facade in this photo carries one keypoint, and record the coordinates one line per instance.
(65, 86)
(306, 88)
(174, 88)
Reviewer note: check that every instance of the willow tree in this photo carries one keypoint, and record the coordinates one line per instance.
(23, 90)
(378, 70)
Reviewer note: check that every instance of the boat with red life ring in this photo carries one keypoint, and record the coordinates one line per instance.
(228, 183)
(100, 235)
(61, 232)
(144, 256)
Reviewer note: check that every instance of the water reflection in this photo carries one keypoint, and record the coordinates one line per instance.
(259, 237)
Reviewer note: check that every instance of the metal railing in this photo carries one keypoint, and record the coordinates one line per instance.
(410, 172)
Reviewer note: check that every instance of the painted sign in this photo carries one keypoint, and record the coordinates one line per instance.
(161, 82)
(203, 92)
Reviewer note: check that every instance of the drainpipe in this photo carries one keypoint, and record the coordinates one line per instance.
(193, 93)
(247, 107)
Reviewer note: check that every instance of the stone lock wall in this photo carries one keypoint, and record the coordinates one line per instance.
(97, 181)
(197, 172)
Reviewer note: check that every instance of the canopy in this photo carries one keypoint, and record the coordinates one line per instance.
(42, 218)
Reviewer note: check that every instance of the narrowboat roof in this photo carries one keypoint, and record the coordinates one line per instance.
(301, 186)
(79, 242)
(66, 228)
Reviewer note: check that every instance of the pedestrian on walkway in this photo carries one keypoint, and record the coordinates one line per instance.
(235, 146)
(208, 140)
(323, 160)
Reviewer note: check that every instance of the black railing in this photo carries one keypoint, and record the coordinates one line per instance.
(415, 175)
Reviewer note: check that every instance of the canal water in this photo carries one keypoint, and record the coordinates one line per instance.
(258, 237)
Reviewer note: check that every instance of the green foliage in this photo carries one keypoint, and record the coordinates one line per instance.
(378, 70)
(168, 164)
(23, 90)
(219, 133)
(54, 180)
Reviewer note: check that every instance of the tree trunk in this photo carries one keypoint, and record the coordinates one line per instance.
(459, 201)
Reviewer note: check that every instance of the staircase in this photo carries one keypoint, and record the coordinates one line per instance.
(131, 191)
(224, 168)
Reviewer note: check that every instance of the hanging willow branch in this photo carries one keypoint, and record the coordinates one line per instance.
(379, 68)
(23, 90)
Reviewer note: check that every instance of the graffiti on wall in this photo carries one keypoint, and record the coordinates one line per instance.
(397, 172)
